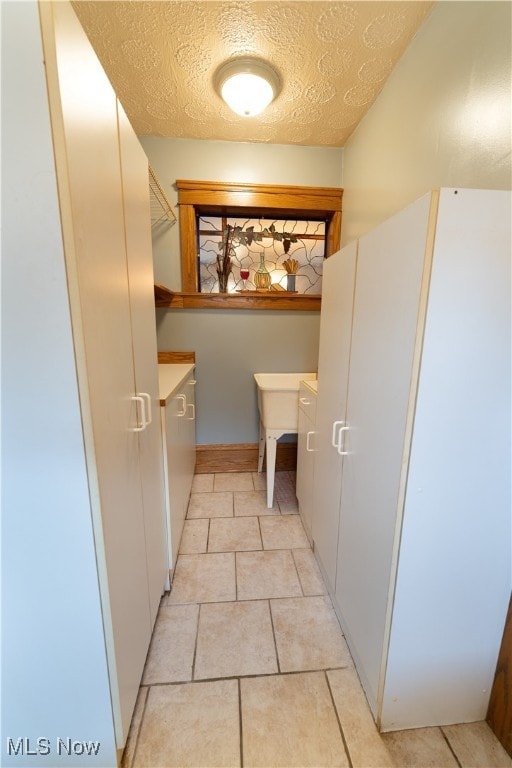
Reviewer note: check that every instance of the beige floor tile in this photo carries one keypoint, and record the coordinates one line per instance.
(194, 539)
(309, 572)
(202, 483)
(171, 652)
(365, 745)
(284, 491)
(131, 741)
(476, 746)
(419, 748)
(308, 635)
(260, 481)
(234, 534)
(283, 532)
(210, 505)
(253, 503)
(289, 720)
(195, 725)
(261, 575)
(235, 639)
(203, 579)
(233, 481)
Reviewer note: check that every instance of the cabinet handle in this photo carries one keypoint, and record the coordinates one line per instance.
(340, 440)
(184, 404)
(149, 410)
(335, 425)
(308, 435)
(305, 401)
(191, 405)
(139, 399)
(192, 381)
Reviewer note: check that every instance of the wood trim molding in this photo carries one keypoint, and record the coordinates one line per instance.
(176, 357)
(249, 300)
(241, 457)
(251, 200)
(499, 714)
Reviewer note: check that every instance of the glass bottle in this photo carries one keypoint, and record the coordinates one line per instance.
(262, 279)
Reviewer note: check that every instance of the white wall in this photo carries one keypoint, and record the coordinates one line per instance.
(54, 673)
(442, 119)
(232, 344)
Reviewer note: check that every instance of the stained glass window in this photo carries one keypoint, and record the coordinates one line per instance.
(284, 240)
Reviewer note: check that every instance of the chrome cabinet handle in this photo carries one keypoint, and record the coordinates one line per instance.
(149, 409)
(340, 440)
(335, 425)
(139, 399)
(308, 448)
(184, 404)
(191, 405)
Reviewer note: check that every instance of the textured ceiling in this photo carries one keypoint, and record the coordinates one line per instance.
(333, 59)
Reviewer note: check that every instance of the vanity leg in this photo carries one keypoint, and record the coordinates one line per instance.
(271, 467)
(261, 452)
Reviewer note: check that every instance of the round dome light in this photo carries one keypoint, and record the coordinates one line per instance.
(247, 85)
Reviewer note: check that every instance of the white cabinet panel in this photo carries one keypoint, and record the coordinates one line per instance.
(422, 568)
(95, 243)
(333, 371)
(179, 446)
(306, 449)
(455, 547)
(134, 170)
(103, 195)
(389, 279)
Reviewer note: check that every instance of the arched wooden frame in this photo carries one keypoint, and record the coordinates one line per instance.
(252, 200)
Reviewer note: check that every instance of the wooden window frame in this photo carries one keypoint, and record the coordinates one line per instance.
(251, 200)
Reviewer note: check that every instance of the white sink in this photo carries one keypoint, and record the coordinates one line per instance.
(278, 399)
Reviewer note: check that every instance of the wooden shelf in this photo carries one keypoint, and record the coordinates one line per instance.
(164, 298)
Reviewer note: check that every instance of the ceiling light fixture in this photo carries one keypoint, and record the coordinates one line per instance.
(247, 85)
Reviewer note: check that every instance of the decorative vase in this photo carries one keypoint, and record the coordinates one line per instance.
(223, 282)
(290, 282)
(262, 279)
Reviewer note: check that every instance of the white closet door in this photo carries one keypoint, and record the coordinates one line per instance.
(389, 279)
(453, 581)
(134, 170)
(93, 224)
(333, 369)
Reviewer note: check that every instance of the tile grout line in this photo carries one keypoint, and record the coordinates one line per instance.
(345, 745)
(208, 535)
(240, 723)
(274, 636)
(132, 761)
(298, 574)
(193, 670)
(236, 579)
(252, 676)
(445, 737)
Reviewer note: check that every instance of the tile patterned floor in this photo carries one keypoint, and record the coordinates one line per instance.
(248, 665)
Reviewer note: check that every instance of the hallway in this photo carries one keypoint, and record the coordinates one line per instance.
(248, 665)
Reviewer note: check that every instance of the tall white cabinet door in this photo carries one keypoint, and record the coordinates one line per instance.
(333, 371)
(389, 281)
(453, 582)
(84, 112)
(134, 171)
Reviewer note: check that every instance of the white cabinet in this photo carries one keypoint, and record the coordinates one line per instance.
(178, 413)
(99, 229)
(418, 502)
(306, 452)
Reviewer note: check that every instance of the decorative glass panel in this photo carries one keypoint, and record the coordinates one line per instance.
(285, 245)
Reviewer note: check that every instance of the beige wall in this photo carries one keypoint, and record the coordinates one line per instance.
(442, 119)
(231, 345)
